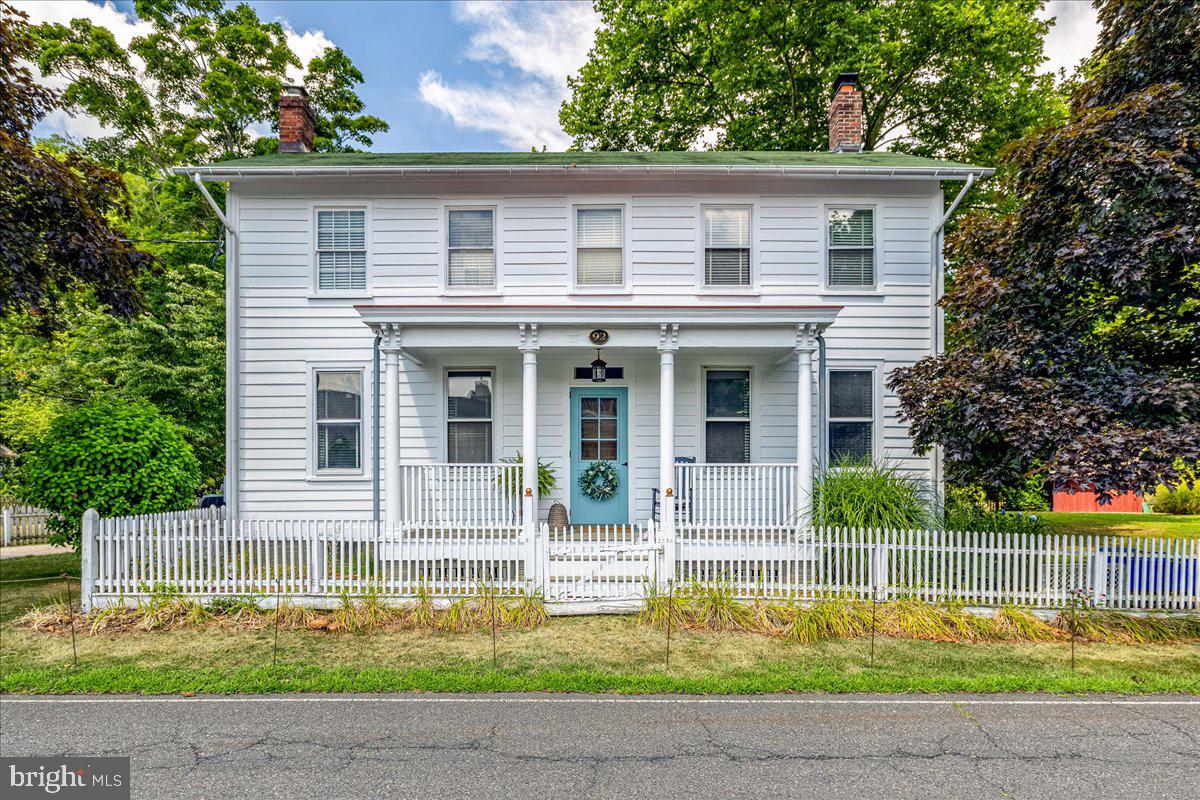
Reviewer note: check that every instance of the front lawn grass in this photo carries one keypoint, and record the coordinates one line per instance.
(570, 654)
(1167, 526)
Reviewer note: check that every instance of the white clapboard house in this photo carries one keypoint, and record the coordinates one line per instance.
(712, 326)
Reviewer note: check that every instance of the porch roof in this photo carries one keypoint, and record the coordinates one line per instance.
(595, 314)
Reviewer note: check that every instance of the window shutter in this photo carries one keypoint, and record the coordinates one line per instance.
(851, 247)
(599, 239)
(471, 245)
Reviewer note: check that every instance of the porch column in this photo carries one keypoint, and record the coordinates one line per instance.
(806, 342)
(390, 347)
(529, 454)
(668, 343)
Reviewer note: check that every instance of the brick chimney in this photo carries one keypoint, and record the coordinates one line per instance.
(295, 121)
(846, 115)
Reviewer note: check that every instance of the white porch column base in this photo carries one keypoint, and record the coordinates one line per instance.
(668, 343)
(390, 347)
(529, 454)
(806, 343)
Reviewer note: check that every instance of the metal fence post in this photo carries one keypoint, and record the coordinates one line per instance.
(87, 583)
(8, 526)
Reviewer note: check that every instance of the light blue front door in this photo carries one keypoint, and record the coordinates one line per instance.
(598, 433)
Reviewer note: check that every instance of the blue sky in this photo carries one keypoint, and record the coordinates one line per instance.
(467, 75)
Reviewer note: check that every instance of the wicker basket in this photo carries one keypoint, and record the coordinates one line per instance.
(557, 518)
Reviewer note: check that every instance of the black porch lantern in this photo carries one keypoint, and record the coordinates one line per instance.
(599, 369)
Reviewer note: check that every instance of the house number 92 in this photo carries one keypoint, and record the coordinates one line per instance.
(598, 337)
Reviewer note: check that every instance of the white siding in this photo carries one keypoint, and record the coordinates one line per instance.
(285, 330)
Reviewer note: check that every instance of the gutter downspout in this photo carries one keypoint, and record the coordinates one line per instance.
(937, 319)
(375, 431)
(232, 438)
(822, 422)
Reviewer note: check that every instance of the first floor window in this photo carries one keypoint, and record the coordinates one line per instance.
(727, 246)
(469, 416)
(472, 247)
(727, 416)
(851, 416)
(339, 420)
(341, 250)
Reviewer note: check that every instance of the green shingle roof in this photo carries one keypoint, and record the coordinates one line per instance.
(718, 158)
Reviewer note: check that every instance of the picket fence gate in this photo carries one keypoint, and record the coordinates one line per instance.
(203, 554)
(25, 525)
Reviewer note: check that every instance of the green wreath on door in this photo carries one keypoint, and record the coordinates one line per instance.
(600, 480)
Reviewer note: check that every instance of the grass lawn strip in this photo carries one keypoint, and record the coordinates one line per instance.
(585, 654)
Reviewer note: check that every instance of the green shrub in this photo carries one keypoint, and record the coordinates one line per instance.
(510, 478)
(978, 520)
(1182, 499)
(119, 458)
(871, 496)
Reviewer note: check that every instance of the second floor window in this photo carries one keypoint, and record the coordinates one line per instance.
(341, 250)
(727, 246)
(851, 247)
(472, 248)
(599, 236)
(469, 416)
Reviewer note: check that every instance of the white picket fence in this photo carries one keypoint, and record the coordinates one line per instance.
(25, 525)
(597, 568)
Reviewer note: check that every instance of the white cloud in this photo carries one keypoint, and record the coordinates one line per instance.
(1072, 36)
(531, 48)
(306, 46)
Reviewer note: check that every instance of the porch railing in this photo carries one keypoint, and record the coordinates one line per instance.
(479, 495)
(722, 495)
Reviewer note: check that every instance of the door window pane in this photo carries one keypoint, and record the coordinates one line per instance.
(598, 428)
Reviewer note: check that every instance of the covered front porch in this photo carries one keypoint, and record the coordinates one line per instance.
(702, 417)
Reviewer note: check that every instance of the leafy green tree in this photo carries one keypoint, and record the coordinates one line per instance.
(948, 79)
(192, 88)
(171, 353)
(55, 232)
(119, 458)
(1077, 313)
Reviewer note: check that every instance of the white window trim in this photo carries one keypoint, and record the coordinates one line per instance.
(444, 402)
(754, 287)
(877, 407)
(366, 433)
(315, 292)
(624, 287)
(444, 209)
(873, 290)
(755, 393)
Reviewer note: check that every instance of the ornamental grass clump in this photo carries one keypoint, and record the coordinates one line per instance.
(714, 606)
(830, 618)
(662, 609)
(1015, 624)
(871, 495)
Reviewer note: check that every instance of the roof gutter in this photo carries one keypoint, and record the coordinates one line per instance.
(217, 172)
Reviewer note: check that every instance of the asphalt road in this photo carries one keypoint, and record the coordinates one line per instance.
(415, 747)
